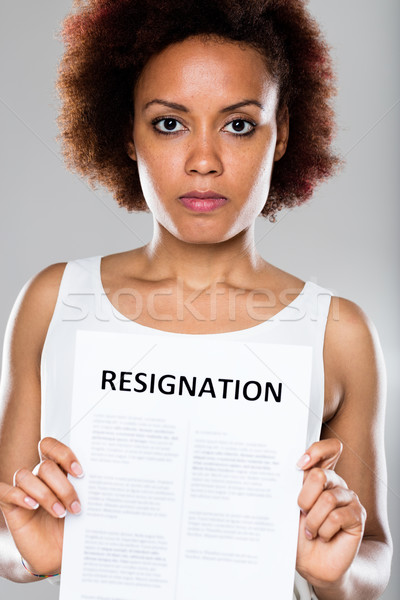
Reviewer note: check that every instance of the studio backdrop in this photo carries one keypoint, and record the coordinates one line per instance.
(346, 238)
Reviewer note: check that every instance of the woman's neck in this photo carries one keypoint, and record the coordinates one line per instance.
(198, 266)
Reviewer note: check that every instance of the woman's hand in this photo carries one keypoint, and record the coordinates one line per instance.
(35, 505)
(332, 518)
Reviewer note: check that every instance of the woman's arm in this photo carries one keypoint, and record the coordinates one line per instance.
(20, 397)
(353, 354)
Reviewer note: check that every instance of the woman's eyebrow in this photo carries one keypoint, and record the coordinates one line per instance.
(183, 108)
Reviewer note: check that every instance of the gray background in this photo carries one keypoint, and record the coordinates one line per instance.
(346, 238)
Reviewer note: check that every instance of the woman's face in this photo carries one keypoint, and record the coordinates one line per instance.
(205, 121)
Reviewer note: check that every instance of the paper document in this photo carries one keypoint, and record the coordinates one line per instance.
(189, 448)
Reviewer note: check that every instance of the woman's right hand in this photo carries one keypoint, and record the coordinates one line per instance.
(39, 532)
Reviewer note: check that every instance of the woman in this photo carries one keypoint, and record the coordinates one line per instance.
(207, 114)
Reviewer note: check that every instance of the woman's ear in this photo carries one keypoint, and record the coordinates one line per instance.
(130, 146)
(282, 121)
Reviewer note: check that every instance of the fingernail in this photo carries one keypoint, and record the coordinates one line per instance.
(76, 507)
(77, 469)
(59, 510)
(305, 459)
(31, 502)
(309, 535)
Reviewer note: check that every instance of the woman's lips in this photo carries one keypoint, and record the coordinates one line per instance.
(202, 204)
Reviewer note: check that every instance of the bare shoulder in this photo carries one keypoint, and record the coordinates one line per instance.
(44, 285)
(47, 280)
(350, 333)
(34, 306)
(353, 355)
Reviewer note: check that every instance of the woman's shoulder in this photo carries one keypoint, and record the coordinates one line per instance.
(353, 355)
(42, 288)
(33, 309)
(348, 324)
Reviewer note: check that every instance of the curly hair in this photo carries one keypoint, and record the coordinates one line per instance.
(108, 43)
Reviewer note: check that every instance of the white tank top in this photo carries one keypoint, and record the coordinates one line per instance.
(83, 304)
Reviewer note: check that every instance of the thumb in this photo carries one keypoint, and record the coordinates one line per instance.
(323, 454)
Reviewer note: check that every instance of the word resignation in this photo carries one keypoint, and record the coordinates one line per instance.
(126, 381)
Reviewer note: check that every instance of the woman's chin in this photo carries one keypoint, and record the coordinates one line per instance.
(202, 239)
(201, 235)
(198, 232)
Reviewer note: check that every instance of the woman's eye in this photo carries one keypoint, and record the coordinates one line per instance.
(167, 125)
(240, 127)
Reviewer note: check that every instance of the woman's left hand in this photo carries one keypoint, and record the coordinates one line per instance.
(332, 518)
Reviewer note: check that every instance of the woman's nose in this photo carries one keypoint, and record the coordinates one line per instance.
(204, 156)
